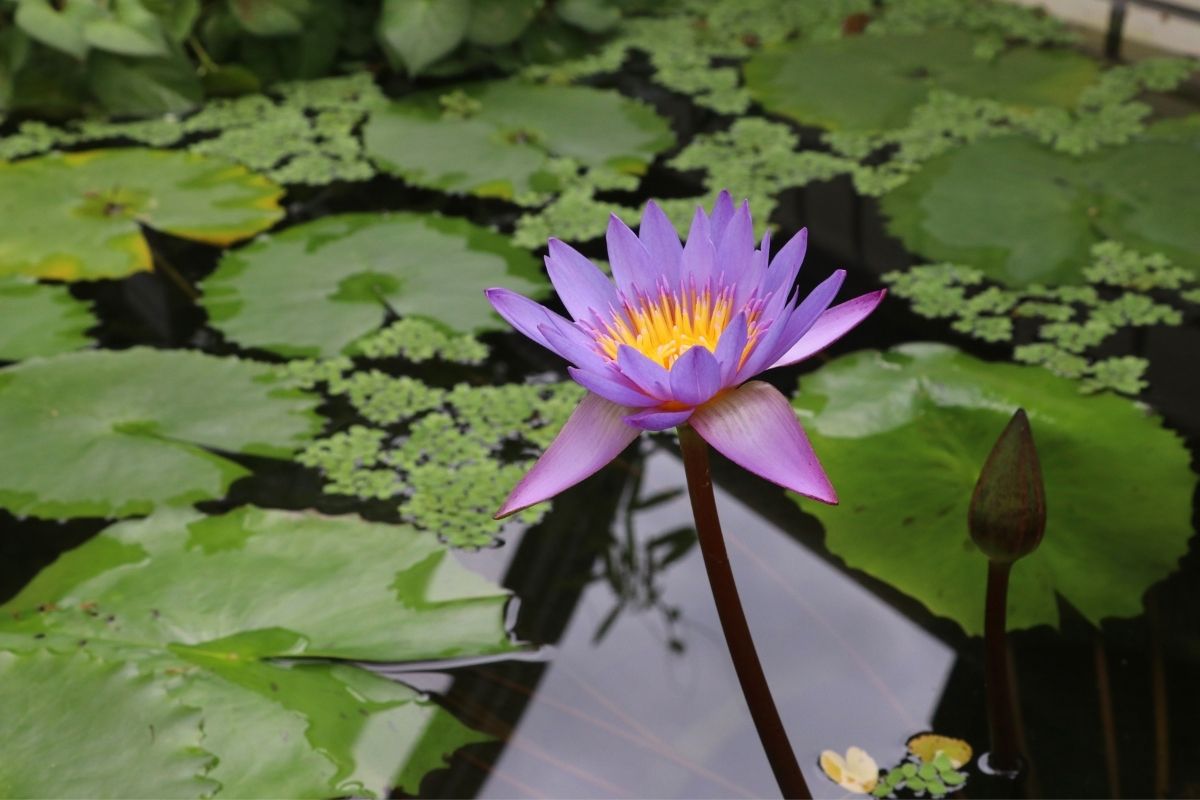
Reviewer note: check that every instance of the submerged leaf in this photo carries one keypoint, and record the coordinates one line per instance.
(902, 435)
(106, 433)
(78, 216)
(170, 631)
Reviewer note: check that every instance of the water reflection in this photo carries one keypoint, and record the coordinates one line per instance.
(621, 715)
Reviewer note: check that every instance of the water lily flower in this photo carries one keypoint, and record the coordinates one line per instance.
(677, 340)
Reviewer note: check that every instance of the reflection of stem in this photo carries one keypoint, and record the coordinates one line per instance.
(1003, 757)
(177, 279)
(1107, 719)
(1158, 676)
(733, 619)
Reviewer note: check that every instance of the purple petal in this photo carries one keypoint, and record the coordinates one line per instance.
(654, 420)
(583, 288)
(594, 435)
(527, 317)
(649, 376)
(755, 427)
(577, 350)
(752, 279)
(730, 347)
(661, 242)
(721, 214)
(735, 252)
(695, 376)
(699, 255)
(832, 325)
(790, 327)
(781, 275)
(631, 265)
(612, 388)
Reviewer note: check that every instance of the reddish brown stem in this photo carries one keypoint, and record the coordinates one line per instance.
(1003, 757)
(733, 619)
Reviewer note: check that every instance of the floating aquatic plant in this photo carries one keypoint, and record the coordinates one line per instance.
(1074, 319)
(317, 288)
(199, 656)
(114, 434)
(79, 216)
(905, 430)
(40, 320)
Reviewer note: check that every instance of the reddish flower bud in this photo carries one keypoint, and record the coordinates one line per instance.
(1007, 516)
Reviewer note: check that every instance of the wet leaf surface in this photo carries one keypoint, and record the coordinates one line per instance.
(903, 435)
(79, 216)
(317, 288)
(168, 630)
(107, 433)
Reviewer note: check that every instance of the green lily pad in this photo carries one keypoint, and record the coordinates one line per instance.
(40, 320)
(1023, 213)
(502, 147)
(318, 287)
(873, 83)
(903, 435)
(77, 216)
(106, 433)
(167, 633)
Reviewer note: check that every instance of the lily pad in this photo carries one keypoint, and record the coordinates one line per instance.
(40, 320)
(317, 288)
(78, 216)
(873, 83)
(502, 146)
(167, 633)
(1023, 213)
(106, 433)
(903, 435)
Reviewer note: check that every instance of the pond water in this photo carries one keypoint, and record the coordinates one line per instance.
(625, 688)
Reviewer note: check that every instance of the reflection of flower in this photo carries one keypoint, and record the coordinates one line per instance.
(857, 772)
(676, 341)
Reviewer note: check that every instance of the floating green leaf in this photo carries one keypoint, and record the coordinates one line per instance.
(873, 83)
(450, 456)
(106, 433)
(318, 287)
(1022, 213)
(502, 150)
(903, 435)
(40, 320)
(166, 632)
(77, 216)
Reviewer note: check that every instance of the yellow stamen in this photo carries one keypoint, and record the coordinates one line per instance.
(665, 327)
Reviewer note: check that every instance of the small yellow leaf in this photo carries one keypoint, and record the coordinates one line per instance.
(857, 772)
(926, 747)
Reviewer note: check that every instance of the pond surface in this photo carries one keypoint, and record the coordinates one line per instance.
(627, 689)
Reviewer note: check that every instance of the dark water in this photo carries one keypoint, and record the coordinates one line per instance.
(629, 691)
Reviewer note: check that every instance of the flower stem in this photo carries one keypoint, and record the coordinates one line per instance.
(1003, 758)
(733, 619)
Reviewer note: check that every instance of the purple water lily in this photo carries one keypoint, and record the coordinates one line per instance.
(676, 341)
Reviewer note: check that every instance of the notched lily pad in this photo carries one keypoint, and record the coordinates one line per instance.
(78, 216)
(317, 288)
(903, 435)
(40, 320)
(1042, 211)
(107, 433)
(166, 634)
(502, 148)
(873, 83)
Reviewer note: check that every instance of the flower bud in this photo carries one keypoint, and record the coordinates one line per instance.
(1008, 508)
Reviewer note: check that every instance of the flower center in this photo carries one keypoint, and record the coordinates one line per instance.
(663, 328)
